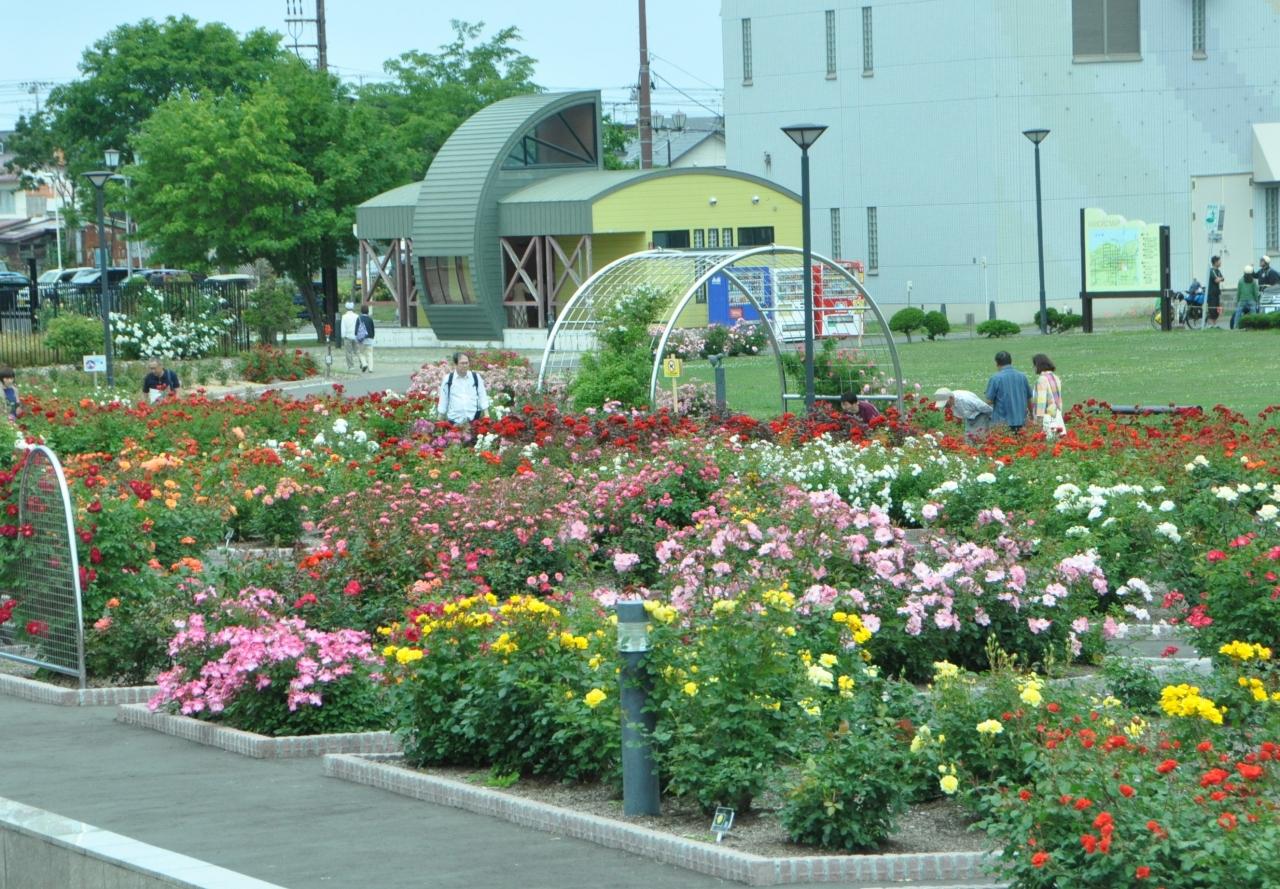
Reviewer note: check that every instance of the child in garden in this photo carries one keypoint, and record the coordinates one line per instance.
(1048, 406)
(7, 378)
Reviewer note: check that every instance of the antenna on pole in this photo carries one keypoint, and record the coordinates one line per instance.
(644, 120)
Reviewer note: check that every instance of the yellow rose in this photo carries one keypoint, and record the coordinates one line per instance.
(949, 784)
(594, 698)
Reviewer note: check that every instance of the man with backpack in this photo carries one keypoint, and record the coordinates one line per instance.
(462, 394)
(364, 339)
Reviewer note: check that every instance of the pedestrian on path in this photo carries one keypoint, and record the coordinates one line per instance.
(964, 404)
(1009, 393)
(462, 394)
(364, 339)
(1214, 300)
(347, 330)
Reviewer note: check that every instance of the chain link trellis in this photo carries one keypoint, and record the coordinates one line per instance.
(47, 621)
(763, 282)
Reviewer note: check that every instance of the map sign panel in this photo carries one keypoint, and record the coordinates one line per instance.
(1120, 255)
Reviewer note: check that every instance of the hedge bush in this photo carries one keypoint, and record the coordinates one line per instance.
(998, 327)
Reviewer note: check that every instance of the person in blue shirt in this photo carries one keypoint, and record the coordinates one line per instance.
(1009, 392)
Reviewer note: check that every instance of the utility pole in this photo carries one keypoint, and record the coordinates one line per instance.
(297, 23)
(645, 120)
(34, 87)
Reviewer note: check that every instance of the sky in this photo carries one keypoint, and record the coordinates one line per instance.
(578, 44)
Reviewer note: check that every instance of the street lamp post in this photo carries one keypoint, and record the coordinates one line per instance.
(99, 178)
(1036, 137)
(804, 135)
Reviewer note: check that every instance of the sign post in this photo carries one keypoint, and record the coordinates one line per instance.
(95, 364)
(671, 368)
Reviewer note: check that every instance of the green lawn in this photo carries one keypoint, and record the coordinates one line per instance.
(1240, 369)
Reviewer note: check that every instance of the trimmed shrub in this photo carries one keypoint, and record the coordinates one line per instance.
(998, 327)
(1270, 321)
(74, 336)
(906, 320)
(936, 325)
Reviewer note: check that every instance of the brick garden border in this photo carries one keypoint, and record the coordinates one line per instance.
(386, 773)
(254, 745)
(44, 693)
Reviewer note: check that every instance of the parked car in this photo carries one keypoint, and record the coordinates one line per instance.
(89, 279)
(160, 277)
(221, 282)
(55, 281)
(15, 291)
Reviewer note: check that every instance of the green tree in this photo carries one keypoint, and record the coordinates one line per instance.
(125, 76)
(614, 138)
(274, 175)
(906, 320)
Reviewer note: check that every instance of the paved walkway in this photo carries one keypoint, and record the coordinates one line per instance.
(281, 820)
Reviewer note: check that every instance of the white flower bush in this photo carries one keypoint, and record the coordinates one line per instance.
(152, 332)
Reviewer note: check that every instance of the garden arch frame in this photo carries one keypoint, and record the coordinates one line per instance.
(768, 281)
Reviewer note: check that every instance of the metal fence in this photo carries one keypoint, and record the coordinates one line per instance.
(23, 318)
(47, 622)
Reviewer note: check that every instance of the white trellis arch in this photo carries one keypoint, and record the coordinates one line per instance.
(766, 282)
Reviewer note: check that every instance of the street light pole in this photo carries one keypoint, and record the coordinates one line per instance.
(1036, 137)
(804, 135)
(99, 178)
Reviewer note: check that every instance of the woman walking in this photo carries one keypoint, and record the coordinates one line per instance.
(1048, 398)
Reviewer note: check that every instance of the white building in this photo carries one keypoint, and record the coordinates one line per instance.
(1157, 109)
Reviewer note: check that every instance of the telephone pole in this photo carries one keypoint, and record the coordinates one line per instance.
(645, 121)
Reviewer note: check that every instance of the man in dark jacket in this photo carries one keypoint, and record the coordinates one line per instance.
(1266, 276)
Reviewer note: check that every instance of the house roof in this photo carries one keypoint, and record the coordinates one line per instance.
(696, 130)
(18, 231)
(388, 215)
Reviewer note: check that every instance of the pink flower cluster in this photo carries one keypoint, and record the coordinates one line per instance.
(252, 649)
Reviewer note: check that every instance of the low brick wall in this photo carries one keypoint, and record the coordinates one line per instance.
(385, 773)
(41, 850)
(250, 744)
(44, 693)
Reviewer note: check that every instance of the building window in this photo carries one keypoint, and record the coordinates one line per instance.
(835, 233)
(713, 237)
(1273, 218)
(831, 44)
(699, 239)
(8, 205)
(755, 236)
(873, 242)
(868, 62)
(445, 278)
(746, 52)
(1105, 30)
(1197, 30)
(726, 237)
(674, 239)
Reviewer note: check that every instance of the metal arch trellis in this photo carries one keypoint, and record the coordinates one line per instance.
(770, 280)
(46, 581)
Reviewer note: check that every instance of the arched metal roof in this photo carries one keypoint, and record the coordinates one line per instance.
(768, 279)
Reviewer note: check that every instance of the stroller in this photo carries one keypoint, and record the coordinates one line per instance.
(1188, 308)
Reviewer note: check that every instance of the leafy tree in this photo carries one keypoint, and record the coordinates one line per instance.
(271, 311)
(906, 320)
(273, 175)
(430, 94)
(614, 139)
(936, 325)
(125, 76)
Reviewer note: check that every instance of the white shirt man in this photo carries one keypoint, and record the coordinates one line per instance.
(462, 394)
(347, 330)
(973, 410)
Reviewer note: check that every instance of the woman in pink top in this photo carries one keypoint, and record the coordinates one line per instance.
(1048, 397)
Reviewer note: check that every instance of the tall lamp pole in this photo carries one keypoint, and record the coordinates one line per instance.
(804, 135)
(1036, 137)
(100, 178)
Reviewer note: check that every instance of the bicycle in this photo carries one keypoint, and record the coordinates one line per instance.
(1188, 309)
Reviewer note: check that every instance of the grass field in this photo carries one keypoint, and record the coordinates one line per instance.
(1239, 369)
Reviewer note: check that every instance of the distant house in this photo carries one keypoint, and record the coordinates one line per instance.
(680, 141)
(24, 221)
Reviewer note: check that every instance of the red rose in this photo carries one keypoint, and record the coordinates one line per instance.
(1126, 791)
(1142, 872)
(1167, 766)
(1040, 859)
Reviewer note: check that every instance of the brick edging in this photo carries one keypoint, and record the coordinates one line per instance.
(254, 745)
(44, 693)
(385, 773)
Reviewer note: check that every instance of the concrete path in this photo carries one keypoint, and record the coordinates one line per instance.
(282, 821)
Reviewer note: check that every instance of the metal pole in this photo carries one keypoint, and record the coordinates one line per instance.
(808, 280)
(639, 773)
(1044, 311)
(106, 299)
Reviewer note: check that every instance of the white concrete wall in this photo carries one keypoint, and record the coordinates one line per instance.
(933, 138)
